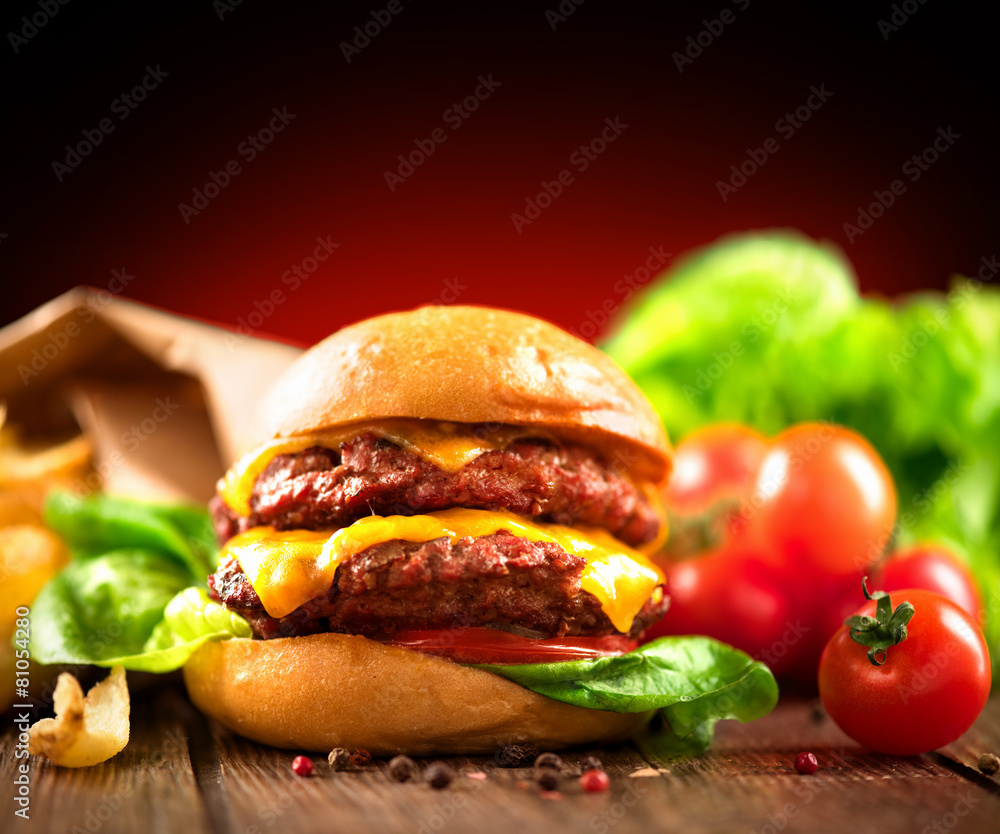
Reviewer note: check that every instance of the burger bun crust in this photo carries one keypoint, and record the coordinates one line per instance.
(337, 690)
(468, 364)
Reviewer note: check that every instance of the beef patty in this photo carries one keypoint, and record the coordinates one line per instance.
(495, 580)
(536, 478)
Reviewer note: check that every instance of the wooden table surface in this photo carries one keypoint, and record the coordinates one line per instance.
(181, 773)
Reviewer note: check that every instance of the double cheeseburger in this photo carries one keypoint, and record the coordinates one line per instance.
(433, 490)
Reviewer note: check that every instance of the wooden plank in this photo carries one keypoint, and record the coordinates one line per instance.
(149, 787)
(747, 783)
(181, 773)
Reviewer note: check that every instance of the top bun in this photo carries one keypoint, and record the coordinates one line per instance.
(469, 365)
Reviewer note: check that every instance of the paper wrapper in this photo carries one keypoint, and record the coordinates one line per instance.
(164, 399)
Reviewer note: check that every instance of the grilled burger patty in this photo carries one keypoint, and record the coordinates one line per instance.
(536, 478)
(499, 579)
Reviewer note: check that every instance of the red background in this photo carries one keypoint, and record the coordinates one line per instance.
(450, 221)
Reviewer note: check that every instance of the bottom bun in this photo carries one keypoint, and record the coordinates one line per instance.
(337, 690)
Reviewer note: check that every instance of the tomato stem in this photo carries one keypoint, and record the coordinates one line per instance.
(887, 628)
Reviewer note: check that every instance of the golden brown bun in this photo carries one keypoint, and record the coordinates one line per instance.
(337, 690)
(468, 365)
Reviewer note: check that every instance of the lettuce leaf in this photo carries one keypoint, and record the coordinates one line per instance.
(102, 523)
(126, 608)
(132, 596)
(769, 329)
(103, 608)
(693, 681)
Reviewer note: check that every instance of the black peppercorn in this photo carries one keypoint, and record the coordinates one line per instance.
(438, 775)
(591, 763)
(516, 755)
(549, 761)
(402, 768)
(548, 779)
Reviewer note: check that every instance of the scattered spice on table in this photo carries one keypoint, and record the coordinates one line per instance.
(402, 768)
(438, 775)
(302, 765)
(806, 763)
(339, 758)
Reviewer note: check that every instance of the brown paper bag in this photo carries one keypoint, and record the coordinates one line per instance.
(163, 399)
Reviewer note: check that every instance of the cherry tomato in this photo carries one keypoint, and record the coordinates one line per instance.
(931, 567)
(712, 463)
(733, 598)
(824, 503)
(490, 645)
(929, 689)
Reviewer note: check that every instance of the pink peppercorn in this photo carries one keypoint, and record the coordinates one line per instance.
(302, 765)
(594, 781)
(806, 763)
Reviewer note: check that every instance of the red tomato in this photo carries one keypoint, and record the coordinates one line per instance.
(733, 598)
(714, 470)
(927, 692)
(824, 503)
(712, 463)
(490, 645)
(931, 567)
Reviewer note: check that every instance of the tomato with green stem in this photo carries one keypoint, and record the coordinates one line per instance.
(908, 680)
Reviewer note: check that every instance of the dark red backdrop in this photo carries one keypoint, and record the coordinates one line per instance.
(445, 232)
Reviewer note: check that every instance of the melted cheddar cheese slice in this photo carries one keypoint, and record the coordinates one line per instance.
(289, 568)
(442, 444)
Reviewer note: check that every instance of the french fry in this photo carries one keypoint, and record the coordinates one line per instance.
(85, 731)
